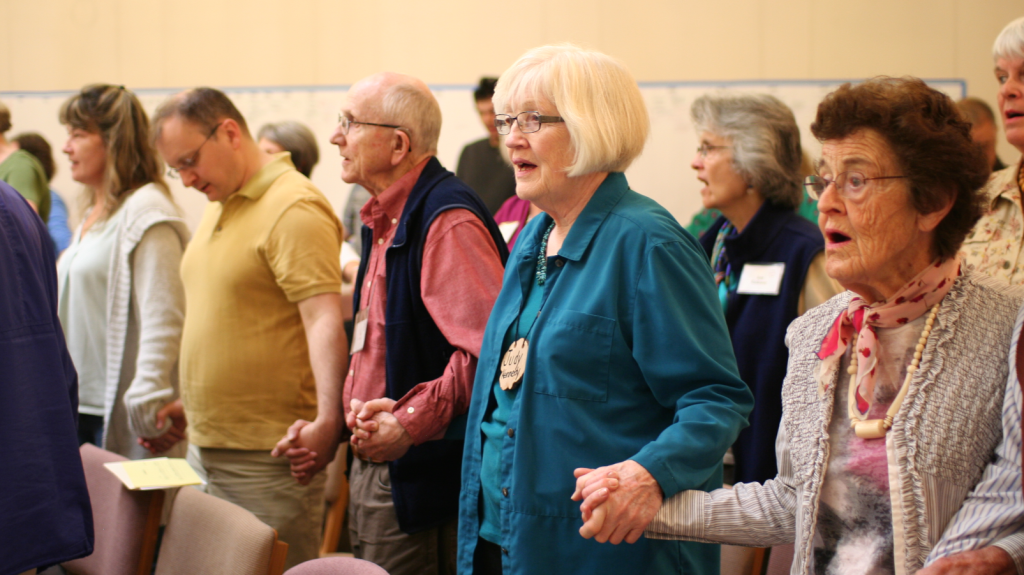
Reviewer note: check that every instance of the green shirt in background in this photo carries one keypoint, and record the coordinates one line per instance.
(24, 173)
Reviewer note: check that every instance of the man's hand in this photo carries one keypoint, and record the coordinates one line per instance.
(377, 433)
(986, 561)
(172, 414)
(631, 498)
(309, 447)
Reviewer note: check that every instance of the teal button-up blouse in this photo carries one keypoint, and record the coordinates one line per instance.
(630, 358)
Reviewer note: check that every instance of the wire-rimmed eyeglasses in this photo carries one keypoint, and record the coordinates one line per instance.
(529, 122)
(848, 184)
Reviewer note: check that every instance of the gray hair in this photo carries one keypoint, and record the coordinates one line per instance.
(764, 137)
(417, 111)
(297, 139)
(1010, 42)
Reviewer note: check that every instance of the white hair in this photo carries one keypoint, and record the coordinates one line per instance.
(596, 96)
(1010, 42)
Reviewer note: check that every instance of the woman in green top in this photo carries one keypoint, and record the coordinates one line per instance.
(22, 170)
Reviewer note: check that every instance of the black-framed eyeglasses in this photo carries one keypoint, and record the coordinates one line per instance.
(529, 122)
(705, 147)
(848, 184)
(346, 124)
(190, 162)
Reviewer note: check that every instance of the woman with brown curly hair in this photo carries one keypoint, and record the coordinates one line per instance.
(121, 301)
(893, 398)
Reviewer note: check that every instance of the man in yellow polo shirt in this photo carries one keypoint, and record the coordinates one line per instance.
(263, 343)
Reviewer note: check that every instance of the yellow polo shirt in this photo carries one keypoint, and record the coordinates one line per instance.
(245, 373)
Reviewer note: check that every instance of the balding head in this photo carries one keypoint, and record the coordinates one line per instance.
(405, 101)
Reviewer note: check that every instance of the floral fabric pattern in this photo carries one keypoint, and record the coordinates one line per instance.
(993, 247)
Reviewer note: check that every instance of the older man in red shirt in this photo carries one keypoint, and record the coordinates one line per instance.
(431, 269)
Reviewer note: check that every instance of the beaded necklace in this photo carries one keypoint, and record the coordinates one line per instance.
(542, 257)
(877, 428)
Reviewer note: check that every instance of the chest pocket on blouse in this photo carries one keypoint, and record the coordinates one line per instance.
(573, 356)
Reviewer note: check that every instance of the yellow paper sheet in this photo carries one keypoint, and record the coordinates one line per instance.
(174, 472)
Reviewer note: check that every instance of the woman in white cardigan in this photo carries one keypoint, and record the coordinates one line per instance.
(121, 301)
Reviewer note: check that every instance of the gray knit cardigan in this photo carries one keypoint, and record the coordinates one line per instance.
(942, 438)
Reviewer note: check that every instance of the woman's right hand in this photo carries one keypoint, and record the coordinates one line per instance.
(175, 413)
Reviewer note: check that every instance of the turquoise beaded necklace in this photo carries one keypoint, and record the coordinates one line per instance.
(542, 257)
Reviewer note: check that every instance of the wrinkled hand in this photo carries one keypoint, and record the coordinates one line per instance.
(986, 561)
(377, 434)
(309, 447)
(619, 501)
(174, 412)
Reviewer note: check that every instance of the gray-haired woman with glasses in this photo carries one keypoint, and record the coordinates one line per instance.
(896, 398)
(605, 346)
(769, 262)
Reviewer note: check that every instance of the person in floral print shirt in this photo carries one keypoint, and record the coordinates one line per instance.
(994, 245)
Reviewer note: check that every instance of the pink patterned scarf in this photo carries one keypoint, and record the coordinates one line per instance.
(908, 304)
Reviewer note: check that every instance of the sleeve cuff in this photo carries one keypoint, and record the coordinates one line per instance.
(1014, 545)
(680, 516)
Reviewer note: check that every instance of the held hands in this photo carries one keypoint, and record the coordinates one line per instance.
(985, 561)
(309, 447)
(172, 415)
(619, 501)
(376, 433)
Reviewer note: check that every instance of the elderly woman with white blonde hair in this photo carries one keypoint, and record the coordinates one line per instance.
(605, 347)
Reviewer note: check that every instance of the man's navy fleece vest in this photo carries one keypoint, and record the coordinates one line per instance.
(758, 323)
(425, 481)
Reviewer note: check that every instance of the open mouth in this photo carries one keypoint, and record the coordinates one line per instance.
(523, 166)
(1011, 114)
(836, 237)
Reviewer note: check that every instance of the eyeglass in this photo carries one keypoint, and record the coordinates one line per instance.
(529, 122)
(704, 148)
(848, 184)
(346, 124)
(190, 162)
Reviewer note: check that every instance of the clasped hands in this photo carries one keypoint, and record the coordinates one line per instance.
(376, 435)
(619, 501)
(174, 413)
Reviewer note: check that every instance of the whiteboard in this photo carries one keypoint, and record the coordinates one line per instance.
(662, 172)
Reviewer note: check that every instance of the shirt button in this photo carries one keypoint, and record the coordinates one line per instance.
(505, 551)
(219, 228)
(504, 491)
(353, 372)
(410, 410)
(511, 432)
(380, 242)
(559, 263)
(394, 220)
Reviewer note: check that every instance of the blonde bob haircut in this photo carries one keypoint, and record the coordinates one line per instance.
(594, 93)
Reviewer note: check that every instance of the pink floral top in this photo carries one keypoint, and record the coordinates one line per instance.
(994, 245)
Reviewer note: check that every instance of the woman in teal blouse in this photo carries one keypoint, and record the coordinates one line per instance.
(605, 347)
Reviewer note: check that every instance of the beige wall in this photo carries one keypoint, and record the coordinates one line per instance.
(64, 44)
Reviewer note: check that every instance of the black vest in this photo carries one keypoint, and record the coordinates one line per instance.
(425, 481)
(758, 323)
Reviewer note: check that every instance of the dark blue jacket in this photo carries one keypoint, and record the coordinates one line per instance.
(45, 516)
(757, 324)
(425, 481)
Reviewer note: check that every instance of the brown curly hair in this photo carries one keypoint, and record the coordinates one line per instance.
(930, 139)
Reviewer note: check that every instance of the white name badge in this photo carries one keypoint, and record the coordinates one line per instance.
(359, 331)
(507, 229)
(761, 279)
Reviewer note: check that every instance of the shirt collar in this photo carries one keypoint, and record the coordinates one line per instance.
(261, 181)
(593, 215)
(392, 199)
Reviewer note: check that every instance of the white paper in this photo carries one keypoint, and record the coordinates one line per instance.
(761, 279)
